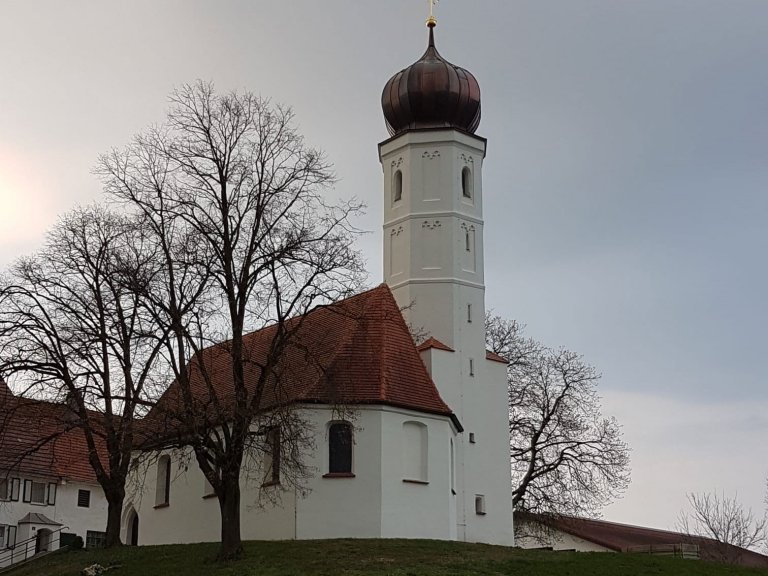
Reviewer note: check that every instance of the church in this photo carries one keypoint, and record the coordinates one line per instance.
(426, 454)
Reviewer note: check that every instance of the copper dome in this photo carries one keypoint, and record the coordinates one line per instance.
(431, 93)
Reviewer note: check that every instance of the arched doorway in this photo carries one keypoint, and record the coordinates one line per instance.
(43, 541)
(133, 529)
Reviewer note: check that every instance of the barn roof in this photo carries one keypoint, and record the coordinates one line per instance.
(355, 352)
(625, 537)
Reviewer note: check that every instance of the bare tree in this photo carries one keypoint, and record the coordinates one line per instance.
(723, 519)
(567, 459)
(72, 331)
(237, 205)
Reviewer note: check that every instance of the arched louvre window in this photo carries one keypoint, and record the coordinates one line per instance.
(340, 448)
(163, 490)
(466, 182)
(397, 187)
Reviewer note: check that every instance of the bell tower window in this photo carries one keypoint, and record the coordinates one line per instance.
(397, 187)
(466, 182)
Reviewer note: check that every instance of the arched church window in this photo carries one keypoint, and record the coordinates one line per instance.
(397, 187)
(415, 452)
(272, 456)
(163, 490)
(466, 182)
(340, 448)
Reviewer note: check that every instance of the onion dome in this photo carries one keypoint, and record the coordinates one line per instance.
(431, 93)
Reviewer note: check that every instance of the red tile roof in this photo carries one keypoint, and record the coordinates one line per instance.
(4, 390)
(623, 537)
(489, 355)
(37, 440)
(357, 351)
(433, 343)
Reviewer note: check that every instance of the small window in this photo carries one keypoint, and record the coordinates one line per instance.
(272, 457)
(467, 242)
(466, 182)
(39, 492)
(84, 498)
(340, 448)
(397, 186)
(5, 489)
(2, 536)
(469, 313)
(471, 367)
(471, 437)
(95, 539)
(479, 504)
(163, 488)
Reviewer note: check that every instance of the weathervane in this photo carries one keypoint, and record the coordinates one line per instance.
(432, 21)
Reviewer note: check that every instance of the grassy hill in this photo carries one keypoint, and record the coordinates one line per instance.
(369, 557)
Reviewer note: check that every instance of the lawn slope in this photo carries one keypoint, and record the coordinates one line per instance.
(369, 557)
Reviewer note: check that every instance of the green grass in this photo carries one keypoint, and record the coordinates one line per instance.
(369, 557)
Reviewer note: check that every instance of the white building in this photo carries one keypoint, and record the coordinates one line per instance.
(48, 492)
(427, 452)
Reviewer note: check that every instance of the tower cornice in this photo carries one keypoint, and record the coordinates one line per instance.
(438, 214)
(434, 136)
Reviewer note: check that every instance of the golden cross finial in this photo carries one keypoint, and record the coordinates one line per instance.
(432, 21)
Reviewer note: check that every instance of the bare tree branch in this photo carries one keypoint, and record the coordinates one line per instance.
(567, 459)
(724, 519)
(235, 202)
(73, 331)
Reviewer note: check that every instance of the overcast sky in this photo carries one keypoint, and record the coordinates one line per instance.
(626, 183)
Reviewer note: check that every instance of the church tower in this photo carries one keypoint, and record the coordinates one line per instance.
(433, 263)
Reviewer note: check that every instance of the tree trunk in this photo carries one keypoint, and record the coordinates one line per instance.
(229, 502)
(114, 516)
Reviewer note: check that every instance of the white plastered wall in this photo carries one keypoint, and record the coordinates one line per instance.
(65, 511)
(374, 503)
(558, 540)
(433, 262)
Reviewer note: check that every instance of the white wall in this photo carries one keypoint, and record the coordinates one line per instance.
(558, 540)
(374, 503)
(65, 511)
(435, 276)
(414, 510)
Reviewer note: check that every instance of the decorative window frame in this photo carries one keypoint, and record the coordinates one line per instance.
(340, 474)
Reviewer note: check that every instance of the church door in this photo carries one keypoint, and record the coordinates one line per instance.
(133, 536)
